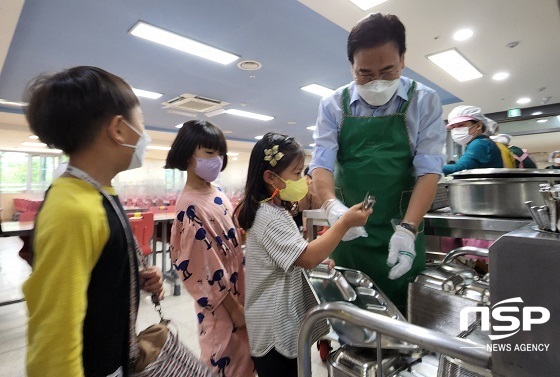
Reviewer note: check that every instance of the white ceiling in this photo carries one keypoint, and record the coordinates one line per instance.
(532, 65)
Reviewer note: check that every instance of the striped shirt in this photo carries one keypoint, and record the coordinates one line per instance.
(277, 295)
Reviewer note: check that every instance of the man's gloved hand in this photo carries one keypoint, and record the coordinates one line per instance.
(334, 210)
(401, 252)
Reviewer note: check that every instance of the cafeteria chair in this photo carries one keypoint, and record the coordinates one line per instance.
(142, 225)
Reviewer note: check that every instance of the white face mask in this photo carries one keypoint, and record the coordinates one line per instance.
(139, 149)
(378, 92)
(461, 135)
(557, 160)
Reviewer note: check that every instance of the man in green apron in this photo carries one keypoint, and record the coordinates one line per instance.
(383, 133)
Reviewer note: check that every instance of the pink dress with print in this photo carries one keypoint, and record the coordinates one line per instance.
(207, 256)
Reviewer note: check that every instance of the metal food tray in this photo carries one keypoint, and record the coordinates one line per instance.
(355, 287)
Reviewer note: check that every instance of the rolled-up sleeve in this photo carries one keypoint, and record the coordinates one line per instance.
(428, 156)
(326, 134)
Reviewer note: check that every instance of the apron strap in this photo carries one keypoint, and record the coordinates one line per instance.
(345, 102)
(404, 105)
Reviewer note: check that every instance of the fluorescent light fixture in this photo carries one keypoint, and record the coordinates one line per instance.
(317, 89)
(33, 144)
(500, 76)
(367, 4)
(37, 150)
(542, 120)
(463, 34)
(157, 148)
(34, 137)
(452, 62)
(232, 154)
(259, 137)
(179, 125)
(247, 114)
(234, 158)
(146, 93)
(312, 144)
(537, 113)
(178, 42)
(523, 100)
(312, 128)
(5, 102)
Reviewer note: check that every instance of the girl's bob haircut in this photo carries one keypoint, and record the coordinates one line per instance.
(256, 188)
(194, 134)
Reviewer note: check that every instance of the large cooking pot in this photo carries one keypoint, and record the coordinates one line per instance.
(498, 192)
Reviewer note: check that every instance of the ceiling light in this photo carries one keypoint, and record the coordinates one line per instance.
(367, 4)
(463, 34)
(5, 102)
(232, 154)
(146, 93)
(33, 144)
(157, 148)
(247, 114)
(179, 125)
(523, 100)
(318, 89)
(178, 42)
(234, 158)
(500, 76)
(34, 137)
(537, 113)
(312, 128)
(312, 144)
(259, 137)
(542, 120)
(452, 62)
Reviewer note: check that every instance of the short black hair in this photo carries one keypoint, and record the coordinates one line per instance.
(67, 109)
(376, 30)
(255, 186)
(194, 134)
(306, 172)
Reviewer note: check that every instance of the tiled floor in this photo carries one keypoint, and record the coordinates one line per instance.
(13, 318)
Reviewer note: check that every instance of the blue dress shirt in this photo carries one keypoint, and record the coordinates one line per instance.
(480, 153)
(426, 130)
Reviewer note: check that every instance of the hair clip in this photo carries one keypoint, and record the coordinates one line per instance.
(272, 155)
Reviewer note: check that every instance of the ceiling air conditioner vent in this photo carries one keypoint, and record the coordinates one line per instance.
(190, 102)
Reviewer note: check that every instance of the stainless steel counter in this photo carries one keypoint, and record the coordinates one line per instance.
(443, 223)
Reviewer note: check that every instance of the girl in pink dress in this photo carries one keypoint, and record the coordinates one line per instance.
(206, 251)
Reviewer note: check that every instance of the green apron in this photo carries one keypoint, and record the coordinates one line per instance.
(374, 155)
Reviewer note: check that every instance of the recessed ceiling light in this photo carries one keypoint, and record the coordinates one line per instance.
(537, 113)
(146, 93)
(259, 137)
(179, 125)
(33, 144)
(452, 62)
(232, 154)
(178, 42)
(312, 128)
(500, 76)
(312, 144)
(248, 114)
(249, 65)
(367, 4)
(523, 100)
(318, 89)
(542, 120)
(292, 122)
(157, 148)
(34, 137)
(227, 132)
(5, 102)
(463, 34)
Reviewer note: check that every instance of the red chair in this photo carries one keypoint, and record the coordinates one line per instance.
(27, 216)
(143, 228)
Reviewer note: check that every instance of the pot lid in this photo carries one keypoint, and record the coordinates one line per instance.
(507, 173)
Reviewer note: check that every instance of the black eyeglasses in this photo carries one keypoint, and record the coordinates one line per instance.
(389, 76)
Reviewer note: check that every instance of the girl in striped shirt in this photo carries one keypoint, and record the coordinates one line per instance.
(276, 294)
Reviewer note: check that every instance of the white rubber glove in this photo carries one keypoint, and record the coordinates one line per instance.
(401, 252)
(334, 210)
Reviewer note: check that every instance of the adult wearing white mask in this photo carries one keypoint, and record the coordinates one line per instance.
(554, 158)
(381, 133)
(468, 126)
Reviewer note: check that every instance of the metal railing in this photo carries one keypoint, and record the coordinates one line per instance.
(425, 338)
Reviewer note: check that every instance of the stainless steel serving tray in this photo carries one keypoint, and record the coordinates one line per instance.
(343, 284)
